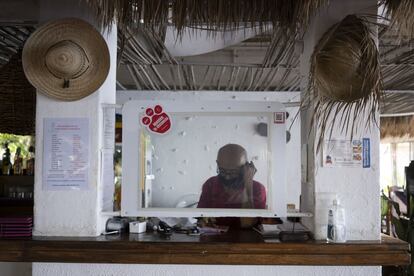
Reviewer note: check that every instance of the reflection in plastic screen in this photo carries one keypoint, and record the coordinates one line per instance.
(186, 168)
(203, 158)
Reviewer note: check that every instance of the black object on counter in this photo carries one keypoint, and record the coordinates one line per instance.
(164, 229)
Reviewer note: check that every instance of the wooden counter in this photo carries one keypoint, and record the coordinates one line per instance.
(241, 247)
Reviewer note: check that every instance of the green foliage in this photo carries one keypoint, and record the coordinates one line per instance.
(384, 205)
(15, 141)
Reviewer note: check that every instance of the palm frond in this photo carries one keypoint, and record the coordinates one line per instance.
(397, 128)
(400, 13)
(345, 78)
(212, 14)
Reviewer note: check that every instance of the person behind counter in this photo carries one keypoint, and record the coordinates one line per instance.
(233, 187)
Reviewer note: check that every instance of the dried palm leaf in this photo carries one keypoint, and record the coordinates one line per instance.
(400, 13)
(143, 47)
(211, 14)
(397, 128)
(130, 13)
(345, 78)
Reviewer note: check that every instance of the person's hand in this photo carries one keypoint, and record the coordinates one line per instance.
(249, 171)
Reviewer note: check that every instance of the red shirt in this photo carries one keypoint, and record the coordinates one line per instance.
(214, 195)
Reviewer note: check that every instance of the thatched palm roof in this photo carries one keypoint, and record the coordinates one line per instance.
(17, 95)
(400, 13)
(277, 65)
(400, 128)
(209, 14)
(18, 99)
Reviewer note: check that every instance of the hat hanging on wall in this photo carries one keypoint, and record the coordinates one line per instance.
(345, 78)
(66, 59)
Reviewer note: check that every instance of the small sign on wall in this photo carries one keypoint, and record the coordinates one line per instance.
(279, 117)
(347, 153)
(65, 153)
(156, 120)
(366, 153)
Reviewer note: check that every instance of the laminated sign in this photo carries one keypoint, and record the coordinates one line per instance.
(156, 120)
(347, 153)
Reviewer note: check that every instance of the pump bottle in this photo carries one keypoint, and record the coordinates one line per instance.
(336, 230)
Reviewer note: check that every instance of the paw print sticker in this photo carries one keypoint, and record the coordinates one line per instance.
(156, 120)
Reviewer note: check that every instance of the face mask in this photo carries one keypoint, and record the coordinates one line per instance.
(233, 183)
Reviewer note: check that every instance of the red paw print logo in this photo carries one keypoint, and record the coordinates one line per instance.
(156, 120)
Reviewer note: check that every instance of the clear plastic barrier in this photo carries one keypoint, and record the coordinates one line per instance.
(198, 156)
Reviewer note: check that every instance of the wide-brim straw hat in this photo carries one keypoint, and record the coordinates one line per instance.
(66, 59)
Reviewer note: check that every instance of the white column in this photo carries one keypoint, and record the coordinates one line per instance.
(72, 213)
(358, 188)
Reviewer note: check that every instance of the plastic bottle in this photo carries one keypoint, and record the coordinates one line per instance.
(336, 223)
(18, 163)
(6, 163)
(330, 232)
(31, 161)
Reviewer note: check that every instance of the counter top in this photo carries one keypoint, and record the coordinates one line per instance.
(239, 247)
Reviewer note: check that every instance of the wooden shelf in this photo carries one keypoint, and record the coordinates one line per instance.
(235, 248)
(14, 206)
(17, 179)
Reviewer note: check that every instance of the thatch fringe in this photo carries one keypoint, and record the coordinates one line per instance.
(210, 14)
(397, 128)
(345, 78)
(400, 13)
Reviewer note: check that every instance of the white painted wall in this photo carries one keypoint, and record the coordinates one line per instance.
(51, 269)
(357, 188)
(186, 156)
(72, 213)
(202, 41)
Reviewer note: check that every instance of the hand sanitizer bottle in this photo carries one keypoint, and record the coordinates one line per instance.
(339, 222)
(336, 231)
(330, 229)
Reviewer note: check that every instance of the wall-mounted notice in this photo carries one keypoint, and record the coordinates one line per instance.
(65, 153)
(109, 127)
(346, 153)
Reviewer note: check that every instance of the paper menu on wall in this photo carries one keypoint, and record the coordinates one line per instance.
(108, 127)
(346, 153)
(65, 153)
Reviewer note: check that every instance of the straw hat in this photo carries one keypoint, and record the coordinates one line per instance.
(66, 59)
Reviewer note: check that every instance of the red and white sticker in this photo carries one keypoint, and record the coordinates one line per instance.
(279, 117)
(156, 120)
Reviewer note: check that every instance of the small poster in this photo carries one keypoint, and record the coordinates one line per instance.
(156, 120)
(109, 127)
(346, 153)
(279, 117)
(65, 153)
(366, 153)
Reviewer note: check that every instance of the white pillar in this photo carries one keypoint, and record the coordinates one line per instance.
(72, 213)
(358, 188)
